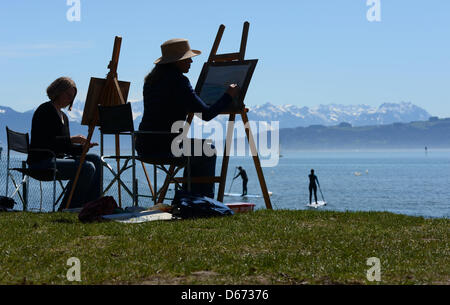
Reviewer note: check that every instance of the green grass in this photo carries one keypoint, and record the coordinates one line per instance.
(264, 247)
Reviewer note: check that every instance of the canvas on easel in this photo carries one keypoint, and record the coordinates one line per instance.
(217, 76)
(93, 98)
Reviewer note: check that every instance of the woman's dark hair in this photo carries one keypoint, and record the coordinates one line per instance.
(158, 72)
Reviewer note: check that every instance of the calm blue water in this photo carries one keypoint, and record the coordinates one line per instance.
(405, 182)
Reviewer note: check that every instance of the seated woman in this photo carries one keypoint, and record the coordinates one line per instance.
(50, 131)
(168, 98)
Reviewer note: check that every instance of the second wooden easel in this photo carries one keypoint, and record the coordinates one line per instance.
(229, 57)
(110, 94)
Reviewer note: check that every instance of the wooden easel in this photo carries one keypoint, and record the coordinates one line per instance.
(111, 95)
(214, 57)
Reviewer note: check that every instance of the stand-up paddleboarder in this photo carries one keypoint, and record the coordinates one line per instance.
(312, 186)
(244, 177)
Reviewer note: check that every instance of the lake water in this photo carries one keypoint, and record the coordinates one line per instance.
(405, 182)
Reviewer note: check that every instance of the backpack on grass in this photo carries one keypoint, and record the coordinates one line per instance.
(94, 210)
(186, 205)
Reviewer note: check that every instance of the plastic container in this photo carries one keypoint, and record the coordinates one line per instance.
(241, 207)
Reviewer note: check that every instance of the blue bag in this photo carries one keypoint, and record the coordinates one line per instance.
(186, 205)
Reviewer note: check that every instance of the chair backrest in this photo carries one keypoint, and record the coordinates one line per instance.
(17, 141)
(115, 119)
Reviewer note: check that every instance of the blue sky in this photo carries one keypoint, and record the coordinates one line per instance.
(310, 52)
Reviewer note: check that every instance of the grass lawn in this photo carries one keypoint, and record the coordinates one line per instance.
(263, 247)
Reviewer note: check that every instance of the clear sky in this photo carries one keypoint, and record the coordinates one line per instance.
(310, 52)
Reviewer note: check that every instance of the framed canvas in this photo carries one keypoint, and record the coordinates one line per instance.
(93, 98)
(217, 76)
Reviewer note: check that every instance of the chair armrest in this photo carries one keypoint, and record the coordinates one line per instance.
(155, 132)
(114, 133)
(42, 150)
(46, 151)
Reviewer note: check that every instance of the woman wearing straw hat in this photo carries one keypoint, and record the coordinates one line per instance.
(169, 98)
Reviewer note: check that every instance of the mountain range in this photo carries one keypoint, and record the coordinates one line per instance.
(328, 115)
(289, 116)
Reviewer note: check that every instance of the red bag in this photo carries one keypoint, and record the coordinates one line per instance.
(94, 210)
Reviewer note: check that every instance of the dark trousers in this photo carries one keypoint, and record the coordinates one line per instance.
(203, 165)
(311, 188)
(88, 187)
(244, 186)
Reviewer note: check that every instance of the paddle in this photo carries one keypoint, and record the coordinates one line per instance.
(320, 190)
(229, 191)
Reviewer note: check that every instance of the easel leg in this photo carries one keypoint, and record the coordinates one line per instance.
(82, 158)
(148, 179)
(226, 157)
(251, 142)
(118, 168)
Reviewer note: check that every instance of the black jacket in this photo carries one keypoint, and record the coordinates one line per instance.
(49, 132)
(168, 100)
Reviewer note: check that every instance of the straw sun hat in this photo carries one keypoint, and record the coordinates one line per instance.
(174, 50)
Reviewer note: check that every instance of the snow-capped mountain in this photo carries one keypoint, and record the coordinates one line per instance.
(333, 114)
(289, 116)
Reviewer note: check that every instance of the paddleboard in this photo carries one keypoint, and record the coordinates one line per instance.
(317, 204)
(248, 196)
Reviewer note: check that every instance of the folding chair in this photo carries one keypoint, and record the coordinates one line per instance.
(118, 120)
(19, 142)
